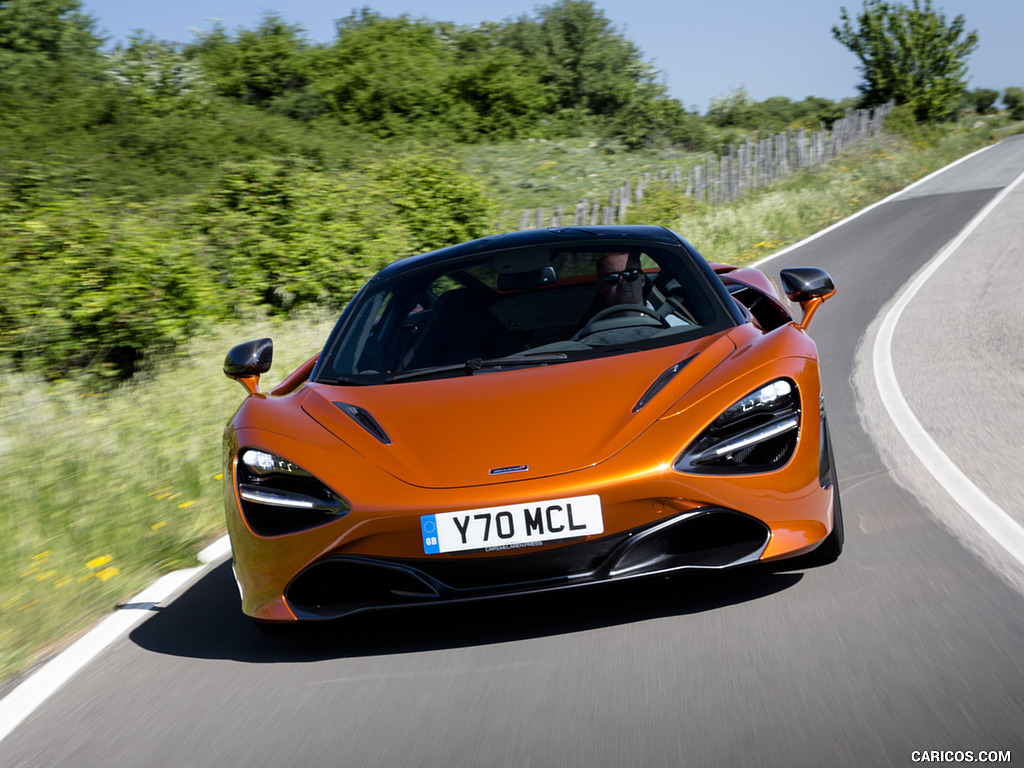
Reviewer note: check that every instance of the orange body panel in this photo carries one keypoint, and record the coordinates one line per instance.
(568, 430)
(637, 486)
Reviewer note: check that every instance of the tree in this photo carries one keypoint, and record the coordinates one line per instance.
(48, 29)
(983, 100)
(738, 110)
(586, 62)
(391, 75)
(909, 55)
(260, 64)
(1013, 98)
(44, 44)
(660, 121)
(155, 75)
(498, 90)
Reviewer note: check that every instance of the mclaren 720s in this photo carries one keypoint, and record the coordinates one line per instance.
(533, 411)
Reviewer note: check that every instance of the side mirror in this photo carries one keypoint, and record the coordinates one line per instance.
(809, 287)
(247, 362)
(805, 283)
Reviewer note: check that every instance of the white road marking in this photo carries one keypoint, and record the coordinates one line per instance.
(871, 207)
(21, 702)
(992, 518)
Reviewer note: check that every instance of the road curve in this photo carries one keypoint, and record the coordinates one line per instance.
(961, 312)
(910, 642)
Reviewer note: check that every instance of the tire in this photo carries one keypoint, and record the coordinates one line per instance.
(832, 547)
(271, 627)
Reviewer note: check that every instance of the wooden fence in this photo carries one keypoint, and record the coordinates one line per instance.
(753, 165)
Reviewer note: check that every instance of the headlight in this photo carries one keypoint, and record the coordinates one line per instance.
(757, 433)
(263, 463)
(279, 497)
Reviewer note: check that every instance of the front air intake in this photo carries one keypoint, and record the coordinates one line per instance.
(708, 538)
(341, 585)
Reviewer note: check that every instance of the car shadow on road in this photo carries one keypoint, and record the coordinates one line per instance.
(206, 621)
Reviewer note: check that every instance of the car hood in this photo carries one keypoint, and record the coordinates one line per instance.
(510, 425)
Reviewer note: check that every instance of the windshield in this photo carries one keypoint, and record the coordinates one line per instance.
(521, 307)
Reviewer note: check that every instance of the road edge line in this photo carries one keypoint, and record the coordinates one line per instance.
(35, 689)
(992, 518)
(868, 209)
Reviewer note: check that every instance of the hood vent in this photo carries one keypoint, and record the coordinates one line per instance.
(364, 419)
(660, 383)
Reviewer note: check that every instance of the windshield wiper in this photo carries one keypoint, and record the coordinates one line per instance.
(478, 365)
(515, 361)
(358, 380)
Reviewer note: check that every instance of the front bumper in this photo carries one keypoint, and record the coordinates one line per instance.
(705, 538)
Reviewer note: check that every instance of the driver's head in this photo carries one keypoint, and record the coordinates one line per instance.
(620, 279)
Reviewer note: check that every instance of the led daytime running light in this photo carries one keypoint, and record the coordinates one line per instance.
(277, 499)
(751, 439)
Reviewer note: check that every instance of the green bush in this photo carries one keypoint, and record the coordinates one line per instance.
(281, 234)
(1013, 98)
(98, 285)
(95, 286)
(983, 100)
(435, 198)
(663, 204)
(902, 122)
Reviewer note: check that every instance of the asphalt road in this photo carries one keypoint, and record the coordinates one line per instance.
(913, 640)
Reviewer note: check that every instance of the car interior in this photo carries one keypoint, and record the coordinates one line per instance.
(524, 303)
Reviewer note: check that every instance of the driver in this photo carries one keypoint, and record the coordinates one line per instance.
(620, 280)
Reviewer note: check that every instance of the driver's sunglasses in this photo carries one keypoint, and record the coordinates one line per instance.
(631, 275)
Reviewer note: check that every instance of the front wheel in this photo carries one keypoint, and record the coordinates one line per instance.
(271, 627)
(830, 549)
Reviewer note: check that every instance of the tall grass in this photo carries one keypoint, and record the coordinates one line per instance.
(807, 202)
(103, 492)
(100, 493)
(543, 173)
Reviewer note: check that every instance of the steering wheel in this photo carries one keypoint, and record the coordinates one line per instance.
(604, 320)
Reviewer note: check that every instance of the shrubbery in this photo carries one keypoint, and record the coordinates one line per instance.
(150, 188)
(99, 284)
(283, 234)
(1013, 98)
(94, 285)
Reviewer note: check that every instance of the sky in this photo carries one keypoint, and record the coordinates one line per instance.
(702, 49)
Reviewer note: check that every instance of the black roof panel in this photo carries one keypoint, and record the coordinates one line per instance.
(533, 237)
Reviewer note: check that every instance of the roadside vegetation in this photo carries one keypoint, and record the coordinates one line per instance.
(161, 202)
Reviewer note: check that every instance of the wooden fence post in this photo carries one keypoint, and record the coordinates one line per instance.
(752, 165)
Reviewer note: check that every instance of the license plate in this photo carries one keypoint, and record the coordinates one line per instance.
(512, 526)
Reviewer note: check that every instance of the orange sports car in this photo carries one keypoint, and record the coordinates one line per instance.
(533, 411)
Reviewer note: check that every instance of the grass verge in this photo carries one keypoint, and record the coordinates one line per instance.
(767, 221)
(543, 173)
(104, 492)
